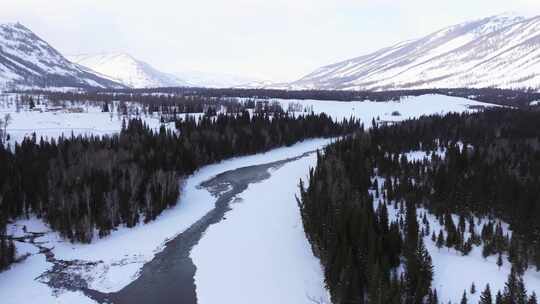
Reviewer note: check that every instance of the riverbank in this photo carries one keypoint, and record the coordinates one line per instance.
(112, 263)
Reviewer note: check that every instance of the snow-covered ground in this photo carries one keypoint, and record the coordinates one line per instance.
(53, 122)
(408, 107)
(259, 253)
(455, 273)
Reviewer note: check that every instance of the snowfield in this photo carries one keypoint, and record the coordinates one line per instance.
(407, 108)
(52, 122)
(259, 253)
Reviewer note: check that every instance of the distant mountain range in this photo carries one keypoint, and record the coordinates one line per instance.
(501, 51)
(217, 80)
(28, 61)
(124, 68)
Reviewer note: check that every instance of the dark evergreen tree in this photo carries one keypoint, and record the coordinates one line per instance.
(499, 260)
(440, 240)
(533, 299)
(485, 296)
(464, 298)
(499, 298)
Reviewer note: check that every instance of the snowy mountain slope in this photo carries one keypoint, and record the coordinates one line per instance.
(219, 80)
(124, 68)
(500, 51)
(28, 61)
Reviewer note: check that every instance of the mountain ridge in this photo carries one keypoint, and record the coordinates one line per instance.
(128, 70)
(26, 60)
(486, 52)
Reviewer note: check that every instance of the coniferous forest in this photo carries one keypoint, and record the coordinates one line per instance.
(366, 205)
(516, 98)
(85, 187)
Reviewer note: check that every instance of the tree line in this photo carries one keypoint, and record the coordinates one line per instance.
(86, 186)
(517, 98)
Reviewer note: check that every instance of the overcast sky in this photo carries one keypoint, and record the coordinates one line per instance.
(277, 40)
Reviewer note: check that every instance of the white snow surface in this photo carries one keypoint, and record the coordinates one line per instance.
(407, 107)
(262, 253)
(49, 123)
(18, 285)
(53, 122)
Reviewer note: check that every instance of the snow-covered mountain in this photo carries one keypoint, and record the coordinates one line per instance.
(134, 73)
(499, 51)
(28, 61)
(220, 80)
(127, 70)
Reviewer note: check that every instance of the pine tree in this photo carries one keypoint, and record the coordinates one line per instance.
(440, 240)
(510, 287)
(533, 299)
(499, 298)
(473, 288)
(485, 296)
(499, 261)
(464, 298)
(521, 292)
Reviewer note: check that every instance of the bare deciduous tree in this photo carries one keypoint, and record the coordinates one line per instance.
(5, 123)
(1, 131)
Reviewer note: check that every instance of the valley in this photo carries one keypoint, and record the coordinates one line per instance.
(319, 152)
(117, 277)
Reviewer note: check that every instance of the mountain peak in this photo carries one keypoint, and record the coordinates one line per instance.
(123, 67)
(26, 60)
